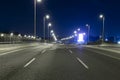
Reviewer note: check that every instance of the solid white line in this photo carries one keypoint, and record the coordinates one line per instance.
(82, 63)
(29, 62)
(43, 51)
(70, 51)
(10, 52)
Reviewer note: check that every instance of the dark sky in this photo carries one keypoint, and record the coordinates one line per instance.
(67, 15)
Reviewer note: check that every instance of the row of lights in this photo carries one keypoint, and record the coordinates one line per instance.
(46, 17)
(76, 33)
(78, 30)
(11, 34)
(53, 35)
(88, 26)
(68, 38)
(71, 37)
(19, 35)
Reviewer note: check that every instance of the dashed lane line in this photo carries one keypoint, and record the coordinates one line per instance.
(82, 63)
(29, 62)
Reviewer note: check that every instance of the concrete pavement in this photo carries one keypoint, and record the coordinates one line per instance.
(60, 62)
(111, 51)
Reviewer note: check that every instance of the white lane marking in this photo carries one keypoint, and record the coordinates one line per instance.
(43, 51)
(10, 52)
(82, 63)
(70, 51)
(29, 62)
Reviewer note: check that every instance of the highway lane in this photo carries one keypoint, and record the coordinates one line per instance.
(60, 62)
(10, 62)
(101, 67)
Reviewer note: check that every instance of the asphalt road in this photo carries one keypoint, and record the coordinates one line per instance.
(60, 62)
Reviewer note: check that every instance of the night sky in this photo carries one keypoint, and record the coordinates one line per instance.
(66, 16)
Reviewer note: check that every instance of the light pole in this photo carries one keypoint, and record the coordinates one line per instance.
(35, 3)
(75, 34)
(11, 35)
(103, 30)
(88, 26)
(44, 18)
(2, 35)
(49, 25)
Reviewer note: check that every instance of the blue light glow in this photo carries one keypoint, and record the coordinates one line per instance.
(118, 42)
(106, 39)
(81, 38)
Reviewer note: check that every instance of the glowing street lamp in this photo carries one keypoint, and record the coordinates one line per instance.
(29, 36)
(2, 35)
(44, 18)
(75, 32)
(49, 25)
(52, 31)
(11, 34)
(88, 26)
(103, 18)
(47, 16)
(35, 11)
(39, 0)
(78, 29)
(19, 35)
(25, 36)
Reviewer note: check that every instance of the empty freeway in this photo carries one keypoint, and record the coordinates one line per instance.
(58, 62)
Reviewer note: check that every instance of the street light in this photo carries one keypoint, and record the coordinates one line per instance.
(19, 35)
(2, 35)
(29, 36)
(25, 36)
(75, 32)
(44, 18)
(78, 29)
(11, 35)
(39, 0)
(54, 36)
(49, 25)
(47, 16)
(35, 2)
(88, 26)
(51, 31)
(102, 17)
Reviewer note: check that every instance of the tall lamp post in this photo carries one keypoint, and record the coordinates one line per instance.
(88, 26)
(49, 25)
(35, 3)
(11, 35)
(103, 30)
(44, 19)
